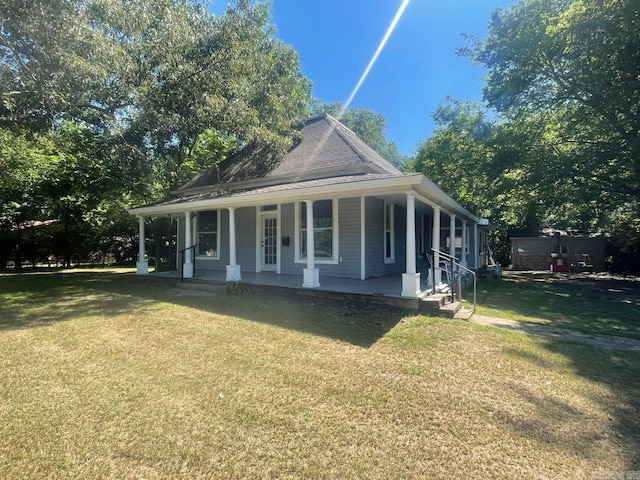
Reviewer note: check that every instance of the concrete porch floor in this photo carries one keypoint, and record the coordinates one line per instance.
(388, 285)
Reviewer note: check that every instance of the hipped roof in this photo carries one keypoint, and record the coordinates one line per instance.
(326, 149)
(328, 160)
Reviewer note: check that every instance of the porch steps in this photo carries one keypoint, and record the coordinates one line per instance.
(449, 310)
(464, 313)
(440, 305)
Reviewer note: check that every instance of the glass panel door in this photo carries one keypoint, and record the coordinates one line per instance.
(269, 243)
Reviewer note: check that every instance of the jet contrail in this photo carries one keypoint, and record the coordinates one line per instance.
(399, 13)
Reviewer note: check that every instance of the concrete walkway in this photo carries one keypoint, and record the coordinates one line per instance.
(612, 342)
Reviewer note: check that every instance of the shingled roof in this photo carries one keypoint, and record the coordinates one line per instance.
(327, 149)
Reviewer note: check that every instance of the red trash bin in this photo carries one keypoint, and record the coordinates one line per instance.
(559, 263)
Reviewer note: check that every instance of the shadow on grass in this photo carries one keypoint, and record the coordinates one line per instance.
(555, 422)
(586, 303)
(36, 300)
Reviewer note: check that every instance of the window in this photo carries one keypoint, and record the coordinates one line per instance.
(324, 231)
(389, 250)
(207, 234)
(458, 242)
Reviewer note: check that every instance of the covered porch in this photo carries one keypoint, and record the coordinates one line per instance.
(375, 236)
(387, 285)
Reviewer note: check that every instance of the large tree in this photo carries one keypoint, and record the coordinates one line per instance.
(133, 98)
(198, 72)
(569, 69)
(579, 59)
(515, 172)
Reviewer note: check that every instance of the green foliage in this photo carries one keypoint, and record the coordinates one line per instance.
(130, 99)
(564, 150)
(624, 247)
(25, 161)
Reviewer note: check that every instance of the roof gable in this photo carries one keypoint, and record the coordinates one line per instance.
(327, 149)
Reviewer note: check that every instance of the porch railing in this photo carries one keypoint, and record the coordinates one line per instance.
(183, 252)
(453, 271)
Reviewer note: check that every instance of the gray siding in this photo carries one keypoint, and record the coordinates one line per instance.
(374, 221)
(245, 241)
(374, 240)
(348, 242)
(287, 227)
(349, 234)
(223, 242)
(246, 238)
(400, 226)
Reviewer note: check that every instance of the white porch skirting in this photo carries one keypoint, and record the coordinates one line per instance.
(311, 278)
(142, 268)
(411, 285)
(187, 270)
(233, 273)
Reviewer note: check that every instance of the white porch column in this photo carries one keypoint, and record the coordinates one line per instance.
(452, 235)
(311, 275)
(233, 269)
(142, 266)
(177, 243)
(476, 249)
(465, 244)
(188, 242)
(435, 244)
(363, 236)
(411, 279)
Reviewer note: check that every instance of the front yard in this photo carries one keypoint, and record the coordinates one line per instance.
(107, 375)
(588, 303)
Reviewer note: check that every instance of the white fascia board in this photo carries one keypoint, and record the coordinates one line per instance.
(341, 190)
(416, 181)
(432, 192)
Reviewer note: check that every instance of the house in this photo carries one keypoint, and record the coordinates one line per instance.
(566, 248)
(330, 208)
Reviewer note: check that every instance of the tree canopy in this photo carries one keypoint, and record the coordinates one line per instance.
(557, 142)
(108, 102)
(579, 59)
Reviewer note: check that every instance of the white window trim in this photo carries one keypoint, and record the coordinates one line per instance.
(334, 220)
(392, 258)
(467, 238)
(195, 235)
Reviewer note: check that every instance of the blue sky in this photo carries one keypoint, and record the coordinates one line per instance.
(414, 73)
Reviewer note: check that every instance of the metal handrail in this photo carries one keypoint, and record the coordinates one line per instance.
(193, 255)
(155, 263)
(454, 261)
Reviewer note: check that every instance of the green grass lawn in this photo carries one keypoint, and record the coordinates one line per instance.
(106, 375)
(594, 305)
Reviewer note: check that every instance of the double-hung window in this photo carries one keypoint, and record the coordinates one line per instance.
(389, 240)
(207, 234)
(324, 231)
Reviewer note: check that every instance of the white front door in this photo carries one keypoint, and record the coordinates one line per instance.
(269, 242)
